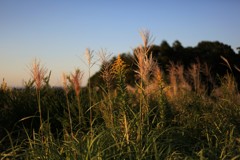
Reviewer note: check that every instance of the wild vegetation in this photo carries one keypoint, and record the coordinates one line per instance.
(161, 102)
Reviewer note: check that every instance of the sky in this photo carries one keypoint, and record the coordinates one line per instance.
(57, 32)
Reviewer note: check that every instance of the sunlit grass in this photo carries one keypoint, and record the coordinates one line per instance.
(163, 116)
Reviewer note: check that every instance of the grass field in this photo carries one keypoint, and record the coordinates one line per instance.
(164, 116)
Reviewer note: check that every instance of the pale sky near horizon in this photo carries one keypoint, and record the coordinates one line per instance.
(57, 32)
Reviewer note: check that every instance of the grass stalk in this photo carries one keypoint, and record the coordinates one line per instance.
(145, 65)
(89, 56)
(38, 75)
(75, 79)
(65, 86)
(39, 109)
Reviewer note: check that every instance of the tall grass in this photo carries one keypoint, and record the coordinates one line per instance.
(38, 75)
(145, 66)
(66, 89)
(163, 116)
(76, 79)
(89, 56)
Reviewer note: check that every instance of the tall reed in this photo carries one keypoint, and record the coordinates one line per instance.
(89, 56)
(145, 64)
(119, 70)
(106, 66)
(66, 89)
(76, 80)
(38, 73)
(108, 78)
(172, 80)
(177, 81)
(194, 72)
(160, 94)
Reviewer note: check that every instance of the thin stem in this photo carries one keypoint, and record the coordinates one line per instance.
(90, 104)
(69, 114)
(39, 108)
(80, 112)
(89, 56)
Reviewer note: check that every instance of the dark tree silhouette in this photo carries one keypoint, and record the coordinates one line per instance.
(177, 46)
(206, 53)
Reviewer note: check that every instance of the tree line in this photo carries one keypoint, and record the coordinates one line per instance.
(213, 57)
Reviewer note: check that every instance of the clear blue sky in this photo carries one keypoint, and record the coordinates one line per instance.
(57, 32)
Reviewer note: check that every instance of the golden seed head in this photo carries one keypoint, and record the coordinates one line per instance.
(118, 66)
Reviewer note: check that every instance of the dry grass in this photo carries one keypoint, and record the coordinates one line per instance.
(194, 72)
(229, 85)
(156, 83)
(178, 84)
(76, 80)
(107, 76)
(172, 80)
(145, 65)
(226, 63)
(135, 123)
(65, 83)
(106, 73)
(144, 60)
(4, 86)
(66, 89)
(146, 38)
(38, 73)
(89, 56)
